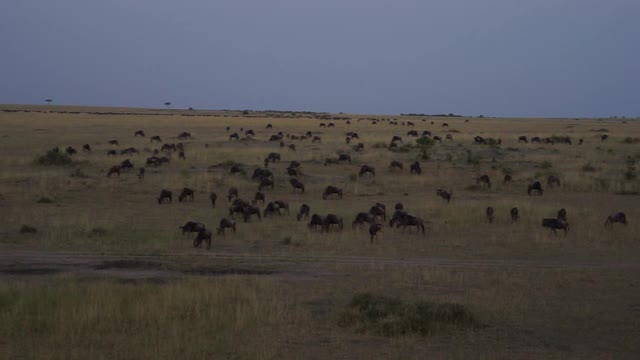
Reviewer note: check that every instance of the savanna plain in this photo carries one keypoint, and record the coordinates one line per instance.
(92, 266)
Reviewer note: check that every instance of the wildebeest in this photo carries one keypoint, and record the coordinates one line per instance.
(237, 206)
(396, 138)
(551, 180)
(275, 138)
(249, 133)
(226, 224)
(395, 164)
(378, 211)
(86, 148)
(260, 173)
(374, 229)
(618, 217)
(604, 137)
(296, 184)
(415, 168)
(273, 157)
(266, 183)
(155, 138)
(259, 197)
(514, 215)
(270, 210)
(203, 235)
(344, 157)
(399, 207)
(184, 135)
(294, 164)
(353, 135)
(522, 139)
(292, 147)
(359, 147)
(328, 161)
(232, 193)
(303, 212)
(536, 186)
(556, 224)
(235, 169)
(330, 220)
(139, 133)
(330, 190)
(437, 138)
(249, 210)
(424, 133)
(316, 139)
(129, 151)
(234, 136)
(71, 151)
(479, 140)
(323, 124)
(485, 180)
(562, 214)
(141, 172)
(403, 219)
(489, 213)
(186, 194)
(361, 219)
(445, 194)
(113, 142)
(213, 197)
(181, 155)
(269, 126)
(282, 205)
(293, 172)
(191, 227)
(165, 196)
(507, 179)
(169, 148)
(535, 139)
(366, 169)
(126, 165)
(449, 137)
(445, 124)
(580, 141)
(316, 221)
(413, 133)
(114, 170)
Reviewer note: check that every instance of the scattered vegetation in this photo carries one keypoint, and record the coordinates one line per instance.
(546, 165)
(54, 158)
(44, 200)
(588, 167)
(78, 173)
(97, 232)
(473, 159)
(26, 229)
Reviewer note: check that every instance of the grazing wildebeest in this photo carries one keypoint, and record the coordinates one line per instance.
(184, 135)
(479, 140)
(296, 184)
(126, 165)
(273, 157)
(292, 147)
(331, 124)
(269, 126)
(71, 151)
(113, 142)
(213, 197)
(403, 219)
(580, 141)
(293, 172)
(415, 168)
(366, 169)
(186, 194)
(378, 211)
(181, 155)
(347, 140)
(139, 133)
(344, 157)
(359, 147)
(514, 215)
(536, 186)
(553, 180)
(399, 207)
(361, 219)
(507, 179)
(445, 194)
(266, 183)
(294, 164)
(303, 212)
(556, 224)
(155, 138)
(485, 180)
(604, 137)
(226, 224)
(249, 210)
(522, 139)
(250, 133)
(535, 139)
(396, 138)
(275, 138)
(129, 151)
(413, 133)
(234, 136)
(323, 124)
(374, 229)
(424, 133)
(260, 173)
(259, 197)
(191, 227)
(618, 217)
(203, 235)
(562, 214)
(395, 164)
(232, 194)
(316, 139)
(316, 221)
(237, 206)
(449, 137)
(114, 170)
(165, 196)
(437, 138)
(330, 190)
(169, 147)
(445, 124)
(489, 213)
(282, 205)
(86, 148)
(328, 161)
(353, 135)
(332, 219)
(141, 172)
(270, 210)
(235, 169)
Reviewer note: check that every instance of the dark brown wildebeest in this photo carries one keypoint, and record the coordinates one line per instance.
(114, 170)
(165, 196)
(113, 142)
(270, 210)
(424, 133)
(535, 139)
(522, 139)
(86, 148)
(328, 161)
(399, 207)
(249, 133)
(331, 124)
(514, 215)
(138, 133)
(203, 235)
(330, 190)
(232, 194)
(330, 220)
(226, 224)
(153, 161)
(489, 213)
(259, 174)
(275, 138)
(155, 138)
(282, 205)
(562, 214)
(213, 197)
(296, 184)
(618, 217)
(347, 140)
(396, 138)
(604, 137)
(237, 206)
(126, 165)
(555, 224)
(269, 126)
(273, 157)
(507, 179)
(191, 227)
(235, 169)
(293, 172)
(169, 147)
(323, 124)
(294, 164)
(445, 194)
(378, 211)
(292, 147)
(316, 221)
(395, 164)
(536, 186)
(228, 128)
(141, 172)
(303, 212)
(129, 151)
(184, 135)
(374, 229)
(580, 141)
(437, 138)
(352, 134)
(361, 219)
(359, 147)
(415, 168)
(266, 183)
(186, 194)
(551, 180)
(479, 140)
(403, 219)
(344, 157)
(181, 155)
(71, 151)
(449, 137)
(249, 210)
(366, 169)
(316, 139)
(234, 136)
(259, 197)
(413, 133)
(485, 180)
(445, 124)
(392, 146)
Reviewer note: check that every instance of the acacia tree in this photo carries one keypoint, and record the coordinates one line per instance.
(167, 104)
(48, 101)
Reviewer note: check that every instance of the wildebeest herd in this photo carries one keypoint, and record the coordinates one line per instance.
(374, 219)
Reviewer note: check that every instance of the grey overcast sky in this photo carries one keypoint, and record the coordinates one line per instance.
(494, 57)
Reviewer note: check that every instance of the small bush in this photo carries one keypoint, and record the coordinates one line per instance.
(512, 149)
(44, 200)
(473, 159)
(26, 229)
(402, 149)
(97, 232)
(546, 165)
(54, 158)
(507, 171)
(78, 173)
(287, 240)
(630, 174)
(630, 140)
(353, 177)
(588, 167)
(379, 145)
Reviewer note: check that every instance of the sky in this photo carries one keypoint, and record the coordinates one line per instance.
(550, 58)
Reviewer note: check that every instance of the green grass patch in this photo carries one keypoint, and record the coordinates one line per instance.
(54, 158)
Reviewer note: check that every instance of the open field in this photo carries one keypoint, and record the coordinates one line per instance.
(274, 289)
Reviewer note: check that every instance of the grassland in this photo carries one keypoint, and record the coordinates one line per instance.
(557, 306)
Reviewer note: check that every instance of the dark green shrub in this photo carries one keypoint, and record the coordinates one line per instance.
(26, 229)
(54, 158)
